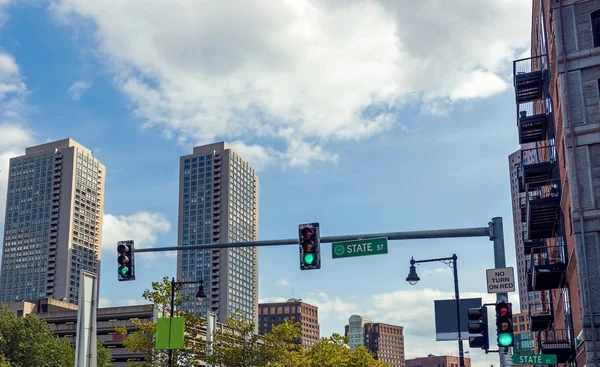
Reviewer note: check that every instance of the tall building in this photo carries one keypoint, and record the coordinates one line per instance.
(558, 110)
(273, 314)
(437, 361)
(385, 341)
(519, 217)
(218, 203)
(355, 330)
(525, 340)
(53, 226)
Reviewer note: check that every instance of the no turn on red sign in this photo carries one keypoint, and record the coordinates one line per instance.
(501, 280)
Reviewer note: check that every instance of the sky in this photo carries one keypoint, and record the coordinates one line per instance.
(365, 116)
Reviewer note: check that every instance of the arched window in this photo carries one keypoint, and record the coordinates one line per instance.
(596, 27)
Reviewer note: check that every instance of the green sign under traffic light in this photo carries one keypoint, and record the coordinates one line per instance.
(534, 359)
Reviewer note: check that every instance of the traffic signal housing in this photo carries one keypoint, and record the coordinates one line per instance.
(125, 260)
(504, 324)
(478, 324)
(310, 249)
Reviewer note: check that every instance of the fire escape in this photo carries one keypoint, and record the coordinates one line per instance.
(540, 195)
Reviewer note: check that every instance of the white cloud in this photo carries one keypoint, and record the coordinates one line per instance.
(331, 308)
(283, 282)
(142, 227)
(78, 89)
(292, 74)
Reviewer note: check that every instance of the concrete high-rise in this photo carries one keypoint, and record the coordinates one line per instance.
(218, 203)
(385, 341)
(53, 226)
(355, 330)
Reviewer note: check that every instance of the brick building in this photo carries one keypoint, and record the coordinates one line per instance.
(385, 341)
(558, 110)
(437, 361)
(272, 314)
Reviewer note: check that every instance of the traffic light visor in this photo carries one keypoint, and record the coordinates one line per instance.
(307, 233)
(307, 246)
(123, 270)
(504, 325)
(123, 249)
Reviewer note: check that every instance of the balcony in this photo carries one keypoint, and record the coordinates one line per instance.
(530, 247)
(548, 267)
(531, 78)
(540, 316)
(559, 342)
(538, 165)
(543, 211)
(535, 120)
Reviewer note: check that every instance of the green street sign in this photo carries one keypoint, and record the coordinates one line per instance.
(370, 246)
(534, 359)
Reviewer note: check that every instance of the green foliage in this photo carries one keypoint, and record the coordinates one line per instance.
(142, 339)
(104, 356)
(29, 341)
(237, 345)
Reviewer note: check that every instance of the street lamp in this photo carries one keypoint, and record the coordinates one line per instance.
(199, 296)
(413, 278)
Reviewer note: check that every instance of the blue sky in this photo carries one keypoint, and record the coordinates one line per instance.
(359, 116)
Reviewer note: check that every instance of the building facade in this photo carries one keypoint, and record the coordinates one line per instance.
(218, 203)
(437, 361)
(355, 330)
(525, 340)
(558, 109)
(53, 225)
(62, 319)
(519, 216)
(386, 342)
(273, 314)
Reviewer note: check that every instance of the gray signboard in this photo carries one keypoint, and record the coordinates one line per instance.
(445, 318)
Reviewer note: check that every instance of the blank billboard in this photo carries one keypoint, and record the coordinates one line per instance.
(445, 318)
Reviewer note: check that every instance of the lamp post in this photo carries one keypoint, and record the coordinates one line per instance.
(199, 296)
(413, 278)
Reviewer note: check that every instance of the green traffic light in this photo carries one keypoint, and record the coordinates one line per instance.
(309, 259)
(505, 340)
(123, 271)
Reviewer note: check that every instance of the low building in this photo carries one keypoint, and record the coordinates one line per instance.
(437, 361)
(273, 314)
(385, 341)
(62, 318)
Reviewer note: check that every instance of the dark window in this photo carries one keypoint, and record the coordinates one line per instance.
(596, 27)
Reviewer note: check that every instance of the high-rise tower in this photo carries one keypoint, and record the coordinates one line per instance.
(53, 226)
(218, 203)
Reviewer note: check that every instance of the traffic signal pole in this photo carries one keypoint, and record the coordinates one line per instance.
(494, 231)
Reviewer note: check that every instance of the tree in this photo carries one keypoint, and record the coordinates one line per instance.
(142, 339)
(29, 341)
(334, 352)
(104, 356)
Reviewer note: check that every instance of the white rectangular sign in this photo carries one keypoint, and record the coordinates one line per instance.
(501, 280)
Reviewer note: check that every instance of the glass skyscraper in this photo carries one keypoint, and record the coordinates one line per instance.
(218, 203)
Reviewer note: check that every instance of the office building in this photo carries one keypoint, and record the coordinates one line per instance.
(355, 330)
(437, 361)
(53, 226)
(218, 203)
(273, 314)
(525, 340)
(385, 341)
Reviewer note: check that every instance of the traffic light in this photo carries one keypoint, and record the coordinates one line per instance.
(478, 324)
(504, 324)
(125, 260)
(310, 253)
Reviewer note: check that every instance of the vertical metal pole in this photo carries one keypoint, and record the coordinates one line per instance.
(170, 319)
(461, 353)
(499, 262)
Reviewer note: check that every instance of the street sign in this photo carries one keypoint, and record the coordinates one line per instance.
(501, 280)
(534, 359)
(370, 246)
